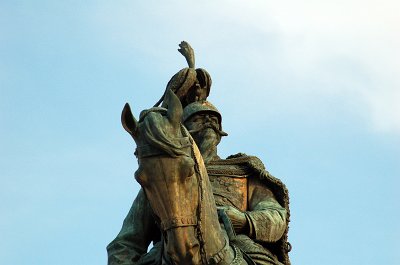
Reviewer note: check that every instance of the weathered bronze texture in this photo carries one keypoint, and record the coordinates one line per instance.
(189, 84)
(195, 207)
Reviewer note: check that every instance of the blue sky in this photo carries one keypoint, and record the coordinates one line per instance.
(312, 88)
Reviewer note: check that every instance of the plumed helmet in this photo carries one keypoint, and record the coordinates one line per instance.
(189, 84)
(182, 81)
(198, 107)
(204, 79)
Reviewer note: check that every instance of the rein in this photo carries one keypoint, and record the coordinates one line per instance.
(199, 226)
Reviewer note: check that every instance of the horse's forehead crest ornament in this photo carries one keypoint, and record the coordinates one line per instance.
(143, 114)
(172, 115)
(159, 130)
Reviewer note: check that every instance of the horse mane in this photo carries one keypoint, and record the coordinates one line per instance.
(151, 127)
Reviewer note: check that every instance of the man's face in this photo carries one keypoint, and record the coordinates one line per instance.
(203, 127)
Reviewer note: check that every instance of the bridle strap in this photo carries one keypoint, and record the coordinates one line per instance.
(178, 221)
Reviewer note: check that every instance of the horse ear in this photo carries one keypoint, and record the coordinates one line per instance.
(129, 122)
(175, 110)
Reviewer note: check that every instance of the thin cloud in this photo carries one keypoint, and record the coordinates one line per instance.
(339, 49)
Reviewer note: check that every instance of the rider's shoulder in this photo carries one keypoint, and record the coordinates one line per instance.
(255, 165)
(251, 161)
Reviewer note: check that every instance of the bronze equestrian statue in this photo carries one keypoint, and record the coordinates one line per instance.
(194, 207)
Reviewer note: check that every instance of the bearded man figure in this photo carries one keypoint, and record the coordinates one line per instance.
(253, 205)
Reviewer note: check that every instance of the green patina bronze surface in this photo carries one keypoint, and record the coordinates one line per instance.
(194, 207)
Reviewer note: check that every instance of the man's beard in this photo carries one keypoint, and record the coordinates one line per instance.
(207, 137)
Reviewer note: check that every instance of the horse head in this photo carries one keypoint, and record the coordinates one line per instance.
(166, 174)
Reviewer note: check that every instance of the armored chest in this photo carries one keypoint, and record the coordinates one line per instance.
(229, 184)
